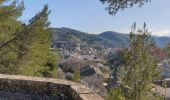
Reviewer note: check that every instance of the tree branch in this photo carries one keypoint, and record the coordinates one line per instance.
(9, 41)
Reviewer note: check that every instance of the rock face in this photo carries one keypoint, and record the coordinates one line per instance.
(38, 88)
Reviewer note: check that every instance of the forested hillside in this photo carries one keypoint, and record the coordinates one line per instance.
(105, 39)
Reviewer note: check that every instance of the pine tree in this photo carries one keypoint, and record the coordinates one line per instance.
(9, 28)
(139, 69)
(25, 48)
(38, 60)
(116, 5)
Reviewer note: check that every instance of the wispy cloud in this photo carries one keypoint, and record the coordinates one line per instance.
(165, 32)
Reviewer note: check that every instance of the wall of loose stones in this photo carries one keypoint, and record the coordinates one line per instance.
(29, 84)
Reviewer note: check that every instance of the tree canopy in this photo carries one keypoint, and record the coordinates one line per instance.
(25, 48)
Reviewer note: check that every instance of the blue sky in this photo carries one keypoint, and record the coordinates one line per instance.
(90, 15)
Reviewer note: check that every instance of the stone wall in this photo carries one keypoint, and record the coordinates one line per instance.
(35, 85)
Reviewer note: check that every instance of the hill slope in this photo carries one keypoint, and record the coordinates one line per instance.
(105, 39)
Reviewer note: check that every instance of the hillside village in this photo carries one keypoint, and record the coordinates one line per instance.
(95, 73)
(92, 69)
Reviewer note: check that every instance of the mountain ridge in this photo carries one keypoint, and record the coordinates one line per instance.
(104, 39)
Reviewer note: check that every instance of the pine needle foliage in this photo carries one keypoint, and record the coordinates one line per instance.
(25, 48)
(139, 69)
